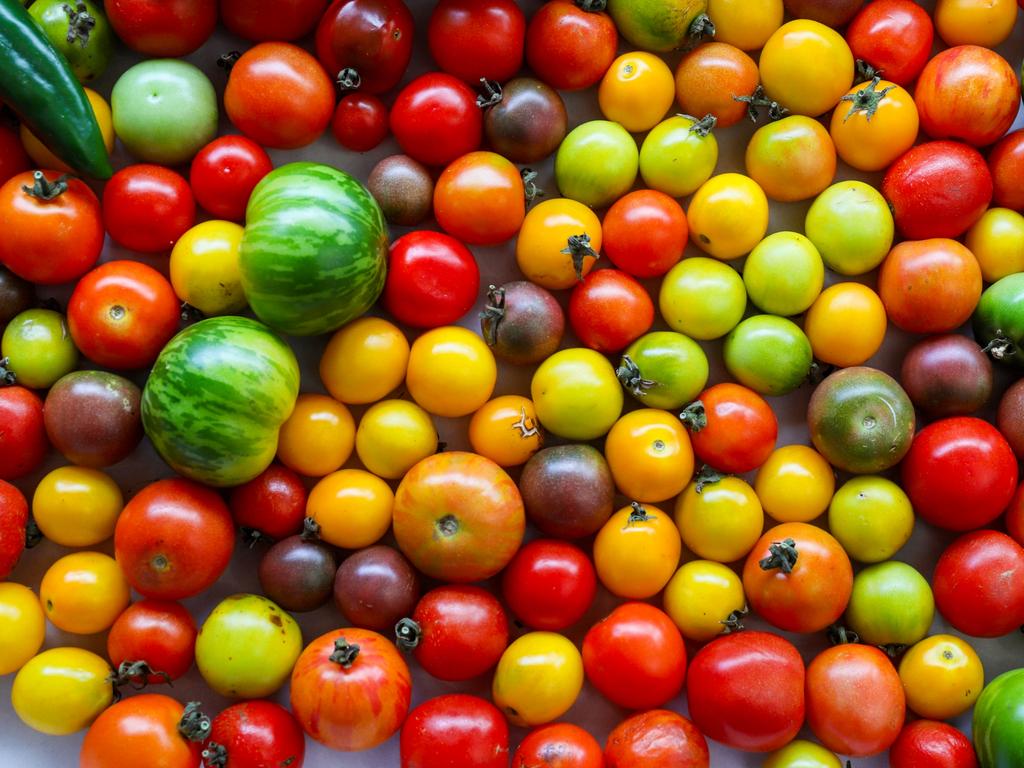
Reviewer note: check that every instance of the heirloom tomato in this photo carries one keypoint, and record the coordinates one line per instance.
(558, 243)
(636, 91)
(709, 78)
(570, 46)
(549, 584)
(435, 119)
(159, 633)
(298, 573)
(224, 173)
(22, 626)
(609, 310)
(61, 690)
(851, 226)
(146, 208)
(452, 730)
(663, 369)
(318, 436)
(732, 428)
(596, 163)
(360, 122)
(679, 155)
(947, 375)
(637, 551)
(392, 436)
(795, 484)
(559, 745)
(969, 22)
(140, 730)
(728, 216)
(747, 24)
(36, 349)
(576, 394)
(719, 517)
(871, 517)
(792, 159)
(271, 19)
(538, 678)
(365, 43)
(528, 123)
(375, 588)
(879, 125)
(806, 67)
(505, 430)
(479, 199)
(931, 744)
(649, 454)
(1006, 161)
(23, 442)
(645, 233)
(272, 504)
(521, 322)
(76, 506)
(891, 605)
(703, 298)
(451, 372)
(254, 733)
(997, 724)
(893, 37)
(364, 361)
(846, 324)
(473, 40)
(784, 274)
(655, 739)
(204, 268)
(567, 490)
(942, 677)
(705, 599)
(997, 242)
(167, 28)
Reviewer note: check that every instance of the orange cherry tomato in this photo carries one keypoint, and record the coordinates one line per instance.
(144, 730)
(874, 124)
(558, 243)
(479, 199)
(318, 437)
(506, 430)
(709, 78)
(650, 455)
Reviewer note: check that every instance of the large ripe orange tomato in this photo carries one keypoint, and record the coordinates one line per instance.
(792, 159)
(479, 199)
(143, 731)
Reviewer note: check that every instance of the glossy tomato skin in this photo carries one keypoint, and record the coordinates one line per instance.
(609, 310)
(528, 123)
(947, 375)
(135, 730)
(161, 633)
(23, 440)
(893, 36)
(549, 585)
(570, 48)
(375, 587)
(1006, 162)
(374, 37)
(146, 208)
(931, 744)
(737, 431)
(472, 39)
(453, 731)
(168, 28)
(273, 503)
(223, 175)
(257, 734)
(435, 119)
(568, 490)
(558, 745)
(93, 417)
(657, 738)
(432, 280)
(479, 199)
(522, 323)
(13, 519)
(645, 233)
(261, 20)
(360, 122)
(708, 77)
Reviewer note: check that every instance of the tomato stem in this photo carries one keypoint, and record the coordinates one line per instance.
(310, 530)
(227, 60)
(80, 23)
(734, 621)
(530, 189)
(628, 374)
(527, 427)
(492, 315)
(190, 314)
(592, 6)
(7, 376)
(345, 653)
(702, 26)
(489, 93)
(638, 514)
(893, 650)
(134, 674)
(253, 536)
(44, 190)
(215, 755)
(757, 100)
(1000, 347)
(867, 99)
(33, 536)
(708, 475)
(194, 725)
(866, 72)
(348, 79)
(408, 634)
(694, 417)
(579, 248)
(782, 555)
(839, 635)
(704, 125)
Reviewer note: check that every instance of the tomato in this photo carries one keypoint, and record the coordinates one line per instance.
(567, 490)
(84, 592)
(728, 216)
(649, 454)
(795, 484)
(596, 163)
(435, 119)
(23, 442)
(254, 733)
(1005, 161)
(851, 226)
(505, 430)
(134, 731)
(454, 729)
(272, 504)
(351, 507)
(719, 517)
(732, 428)
(479, 199)
(364, 361)
(806, 67)
(521, 322)
(879, 125)
(997, 242)
(576, 394)
(871, 517)
(846, 324)
(645, 233)
(929, 744)
(745, 24)
(792, 159)
(656, 739)
(784, 274)
(204, 268)
(318, 437)
(894, 37)
(769, 354)
(53, 230)
(372, 37)
(636, 91)
(360, 122)
(802, 754)
(160, 27)
(13, 157)
(558, 243)
(549, 585)
(13, 524)
(702, 298)
(224, 172)
(637, 551)
(44, 158)
(969, 22)
(559, 745)
(22, 626)
(271, 19)
(609, 310)
(708, 79)
(76, 506)
(474, 40)
(704, 599)
(61, 690)
(529, 121)
(996, 725)
(374, 588)
(570, 47)
(392, 436)
(663, 369)
(160, 634)
(679, 155)
(36, 349)
(942, 677)
(947, 375)
(451, 372)
(537, 679)
(891, 605)
(146, 208)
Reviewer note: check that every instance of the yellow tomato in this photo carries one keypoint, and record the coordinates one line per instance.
(747, 24)
(871, 517)
(806, 67)
(728, 216)
(77, 506)
(576, 394)
(802, 754)
(942, 677)
(318, 437)
(364, 361)
(636, 91)
(22, 626)
(719, 518)
(62, 690)
(846, 324)
(506, 430)
(637, 551)
(997, 242)
(704, 599)
(204, 268)
(44, 158)
(975, 22)
(544, 252)
(650, 455)
(352, 507)
(537, 678)
(392, 436)
(451, 371)
(795, 484)
(874, 124)
(84, 592)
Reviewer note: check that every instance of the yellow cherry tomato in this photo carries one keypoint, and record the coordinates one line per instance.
(318, 437)
(747, 24)
(802, 754)
(537, 678)
(62, 690)
(452, 371)
(364, 361)
(77, 506)
(22, 626)
(204, 268)
(874, 124)
(352, 507)
(728, 216)
(636, 91)
(871, 517)
(650, 455)
(544, 252)
(720, 518)
(705, 599)
(795, 484)
(942, 676)
(637, 551)
(997, 242)
(392, 436)
(44, 158)
(846, 324)
(975, 22)
(576, 394)
(506, 430)
(84, 592)
(806, 67)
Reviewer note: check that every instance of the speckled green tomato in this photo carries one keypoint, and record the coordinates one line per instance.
(247, 647)
(998, 724)
(678, 155)
(769, 354)
(851, 226)
(702, 298)
(37, 348)
(999, 320)
(660, 25)
(802, 754)
(80, 31)
(784, 274)
(664, 369)
(576, 394)
(891, 604)
(597, 163)
(871, 517)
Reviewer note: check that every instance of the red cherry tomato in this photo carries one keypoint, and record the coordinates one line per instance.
(13, 157)
(479, 199)
(894, 37)
(656, 739)
(261, 20)
(147, 208)
(23, 440)
(570, 48)
(134, 731)
(435, 119)
(1015, 516)
(931, 744)
(732, 428)
(160, 633)
(455, 730)
(432, 280)
(558, 745)
(549, 585)
(13, 519)
(644, 233)
(256, 734)
(1006, 162)
(360, 122)
(272, 504)
(224, 173)
(372, 37)
(609, 310)
(168, 28)
(477, 38)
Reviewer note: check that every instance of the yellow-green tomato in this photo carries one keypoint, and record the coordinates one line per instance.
(22, 626)
(851, 226)
(596, 163)
(871, 517)
(703, 298)
(62, 690)
(538, 678)
(997, 242)
(704, 599)
(247, 647)
(576, 394)
(891, 604)
(204, 268)
(719, 518)
(38, 348)
(802, 754)
(784, 274)
(679, 154)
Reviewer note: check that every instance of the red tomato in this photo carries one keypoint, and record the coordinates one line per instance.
(279, 95)
(372, 37)
(147, 208)
(656, 739)
(960, 473)
(174, 539)
(479, 199)
(609, 310)
(635, 657)
(432, 280)
(453, 731)
(50, 236)
(855, 701)
(122, 314)
(979, 584)
(435, 119)
(272, 504)
(570, 48)
(747, 690)
(644, 233)
(472, 39)
(23, 440)
(931, 744)
(1006, 162)
(732, 428)
(135, 732)
(13, 519)
(169, 28)
(255, 734)
(161, 633)
(13, 157)
(224, 173)
(360, 122)
(1015, 516)
(549, 585)
(558, 745)
(894, 37)
(261, 20)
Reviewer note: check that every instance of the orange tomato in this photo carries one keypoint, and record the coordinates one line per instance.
(318, 437)
(544, 252)
(650, 455)
(709, 78)
(636, 91)
(479, 199)
(142, 731)
(845, 324)
(637, 551)
(506, 430)
(792, 159)
(874, 124)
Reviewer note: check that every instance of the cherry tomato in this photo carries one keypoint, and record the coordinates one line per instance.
(1006, 162)
(846, 324)
(135, 730)
(13, 520)
(719, 517)
(454, 729)
(506, 430)
(705, 599)
(352, 507)
(930, 744)
(964, 22)
(549, 584)
(204, 268)
(702, 298)
(372, 37)
(360, 122)
(61, 690)
(472, 39)
(792, 159)
(224, 172)
(165, 28)
(273, 503)
(871, 517)
(23, 440)
(432, 280)
(609, 310)
(559, 745)
(806, 67)
(645, 233)
(795, 484)
(256, 733)
(728, 216)
(318, 436)
(558, 243)
(452, 371)
(679, 155)
(649, 454)
(802, 754)
(22, 624)
(878, 126)
(745, 24)
(637, 551)
(13, 157)
(146, 208)
(997, 242)
(159, 633)
(84, 592)
(655, 739)
(538, 678)
(479, 199)
(942, 677)
(894, 37)
(76, 506)
(435, 119)
(732, 428)
(260, 20)
(364, 361)
(637, 91)
(393, 435)
(570, 47)
(709, 78)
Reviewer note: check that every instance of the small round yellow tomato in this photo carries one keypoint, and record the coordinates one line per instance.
(84, 592)
(318, 437)
(720, 518)
(576, 394)
(452, 371)
(871, 517)
(636, 91)
(506, 430)
(791, 159)
(544, 252)
(204, 268)
(874, 124)
(942, 677)
(352, 507)
(537, 678)
(806, 67)
(975, 22)
(728, 216)
(77, 506)
(44, 158)
(795, 484)
(650, 455)
(392, 436)
(62, 690)
(747, 24)
(846, 324)
(637, 551)
(802, 754)
(704, 599)
(364, 361)
(997, 242)
(22, 626)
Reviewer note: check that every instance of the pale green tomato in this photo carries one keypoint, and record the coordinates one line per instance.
(891, 604)
(802, 754)
(596, 163)
(702, 298)
(769, 354)
(871, 517)
(784, 274)
(37, 348)
(678, 155)
(664, 369)
(851, 225)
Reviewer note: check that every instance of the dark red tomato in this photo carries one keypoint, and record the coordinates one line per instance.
(609, 310)
(147, 208)
(463, 631)
(558, 745)
(937, 189)
(931, 744)
(279, 96)
(1006, 162)
(894, 37)
(224, 173)
(372, 37)
(656, 739)
(635, 657)
(13, 519)
(732, 428)
(979, 584)
(549, 585)
(432, 280)
(435, 119)
(645, 233)
(174, 539)
(13, 157)
(960, 473)
(261, 20)
(360, 122)
(23, 441)
(169, 28)
(272, 504)
(255, 734)
(570, 48)
(160, 633)
(477, 38)
(454, 731)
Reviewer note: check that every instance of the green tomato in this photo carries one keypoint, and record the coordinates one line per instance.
(37, 348)
(247, 647)
(998, 320)
(851, 225)
(702, 298)
(596, 163)
(678, 155)
(769, 354)
(664, 369)
(79, 31)
(802, 754)
(891, 604)
(784, 274)
(661, 25)
(998, 724)
(576, 394)
(871, 517)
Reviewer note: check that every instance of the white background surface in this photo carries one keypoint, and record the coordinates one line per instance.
(20, 745)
